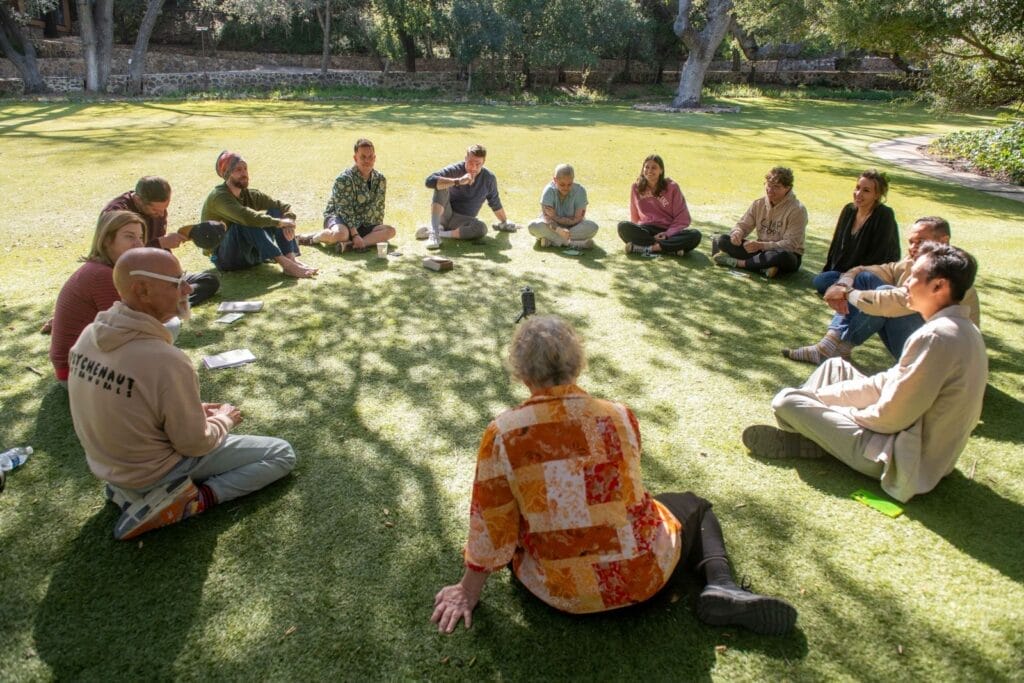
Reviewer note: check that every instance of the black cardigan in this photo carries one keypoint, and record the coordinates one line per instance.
(877, 241)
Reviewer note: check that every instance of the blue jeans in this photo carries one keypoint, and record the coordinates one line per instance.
(856, 327)
(244, 246)
(826, 279)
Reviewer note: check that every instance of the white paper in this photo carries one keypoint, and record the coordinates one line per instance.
(240, 306)
(229, 359)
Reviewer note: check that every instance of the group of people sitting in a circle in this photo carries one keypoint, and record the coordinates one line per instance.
(558, 494)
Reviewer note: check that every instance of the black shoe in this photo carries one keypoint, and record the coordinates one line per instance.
(769, 442)
(724, 606)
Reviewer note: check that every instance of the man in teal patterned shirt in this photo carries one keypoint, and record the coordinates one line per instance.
(354, 217)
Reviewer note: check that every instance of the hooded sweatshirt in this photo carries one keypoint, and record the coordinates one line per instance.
(780, 227)
(135, 400)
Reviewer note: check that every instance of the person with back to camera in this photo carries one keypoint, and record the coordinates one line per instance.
(90, 289)
(558, 497)
(164, 454)
(866, 233)
(563, 206)
(780, 220)
(659, 221)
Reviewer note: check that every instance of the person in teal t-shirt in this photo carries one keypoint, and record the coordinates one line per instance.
(563, 206)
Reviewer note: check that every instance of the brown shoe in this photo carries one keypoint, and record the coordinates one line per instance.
(305, 240)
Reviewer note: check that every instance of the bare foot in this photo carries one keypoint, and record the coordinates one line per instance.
(292, 267)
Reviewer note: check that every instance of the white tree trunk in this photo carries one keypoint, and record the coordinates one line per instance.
(88, 32)
(103, 23)
(138, 64)
(702, 46)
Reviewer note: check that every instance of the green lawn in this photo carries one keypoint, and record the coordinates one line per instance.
(383, 375)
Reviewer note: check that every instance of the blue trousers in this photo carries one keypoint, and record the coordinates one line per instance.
(856, 327)
(244, 246)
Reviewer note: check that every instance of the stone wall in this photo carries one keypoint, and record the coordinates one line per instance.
(180, 70)
(155, 85)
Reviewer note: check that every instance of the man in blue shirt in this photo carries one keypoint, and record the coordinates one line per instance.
(459, 192)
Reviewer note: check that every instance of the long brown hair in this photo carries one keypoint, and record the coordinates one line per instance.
(641, 181)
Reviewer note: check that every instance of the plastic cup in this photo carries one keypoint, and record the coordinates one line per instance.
(382, 249)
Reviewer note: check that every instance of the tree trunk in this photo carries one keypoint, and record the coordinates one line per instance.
(701, 45)
(12, 33)
(103, 22)
(88, 34)
(409, 48)
(323, 14)
(746, 41)
(137, 66)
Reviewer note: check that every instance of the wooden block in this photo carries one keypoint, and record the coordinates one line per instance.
(438, 263)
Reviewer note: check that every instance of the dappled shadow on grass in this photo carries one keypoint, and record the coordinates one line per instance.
(125, 610)
(968, 514)
(716, 316)
(383, 381)
(1000, 417)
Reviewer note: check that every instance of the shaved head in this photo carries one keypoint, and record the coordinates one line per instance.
(144, 293)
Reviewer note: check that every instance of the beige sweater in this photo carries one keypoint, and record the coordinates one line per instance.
(135, 400)
(892, 303)
(923, 409)
(780, 227)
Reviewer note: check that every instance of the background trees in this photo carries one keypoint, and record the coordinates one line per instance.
(972, 51)
(15, 42)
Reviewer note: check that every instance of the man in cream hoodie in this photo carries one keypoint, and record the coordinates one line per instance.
(164, 454)
(780, 221)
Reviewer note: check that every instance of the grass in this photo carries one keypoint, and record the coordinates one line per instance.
(383, 376)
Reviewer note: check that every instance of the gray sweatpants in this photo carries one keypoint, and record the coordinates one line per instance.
(469, 227)
(241, 464)
(583, 230)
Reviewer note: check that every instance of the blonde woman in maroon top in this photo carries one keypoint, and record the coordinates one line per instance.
(90, 289)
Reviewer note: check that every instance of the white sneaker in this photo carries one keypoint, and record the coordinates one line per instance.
(433, 242)
(543, 242)
(422, 232)
(580, 244)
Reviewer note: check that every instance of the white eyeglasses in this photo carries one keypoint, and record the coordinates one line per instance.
(176, 281)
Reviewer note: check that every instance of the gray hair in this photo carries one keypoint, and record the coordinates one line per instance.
(564, 171)
(546, 352)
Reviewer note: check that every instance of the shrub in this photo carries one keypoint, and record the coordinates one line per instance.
(998, 152)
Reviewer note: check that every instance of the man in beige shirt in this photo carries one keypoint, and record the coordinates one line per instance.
(909, 424)
(870, 300)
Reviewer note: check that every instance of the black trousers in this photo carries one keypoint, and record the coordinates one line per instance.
(204, 285)
(702, 534)
(643, 235)
(786, 261)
